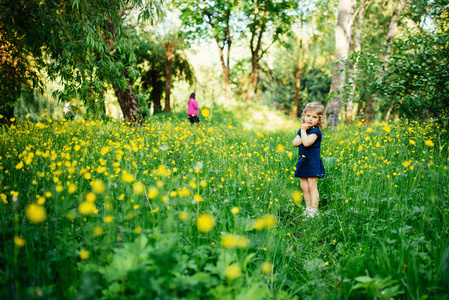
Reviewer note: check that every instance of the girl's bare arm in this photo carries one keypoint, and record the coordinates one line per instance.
(297, 141)
(308, 140)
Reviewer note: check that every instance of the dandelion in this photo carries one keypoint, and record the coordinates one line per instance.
(72, 188)
(183, 215)
(84, 254)
(86, 207)
(205, 222)
(91, 197)
(98, 186)
(41, 200)
(98, 230)
(19, 165)
(280, 148)
(406, 164)
(235, 210)
(412, 142)
(87, 176)
(18, 241)
(198, 198)
(429, 143)
(138, 230)
(205, 112)
(126, 177)
(267, 221)
(122, 196)
(297, 196)
(153, 192)
(155, 210)
(164, 147)
(35, 213)
(266, 267)
(139, 188)
(108, 219)
(233, 271)
(198, 166)
(387, 129)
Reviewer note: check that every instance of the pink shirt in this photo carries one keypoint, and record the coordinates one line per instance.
(192, 107)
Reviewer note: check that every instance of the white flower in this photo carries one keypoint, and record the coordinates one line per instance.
(164, 147)
(198, 166)
(101, 132)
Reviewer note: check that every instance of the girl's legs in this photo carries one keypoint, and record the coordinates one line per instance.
(312, 183)
(305, 191)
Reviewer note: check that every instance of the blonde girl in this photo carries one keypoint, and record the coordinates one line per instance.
(310, 166)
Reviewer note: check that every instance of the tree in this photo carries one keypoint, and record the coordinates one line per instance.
(86, 44)
(342, 40)
(264, 17)
(152, 62)
(213, 19)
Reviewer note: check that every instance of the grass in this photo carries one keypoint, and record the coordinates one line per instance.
(170, 210)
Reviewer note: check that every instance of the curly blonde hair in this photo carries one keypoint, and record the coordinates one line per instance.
(318, 108)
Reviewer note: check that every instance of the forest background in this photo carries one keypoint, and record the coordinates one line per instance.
(361, 59)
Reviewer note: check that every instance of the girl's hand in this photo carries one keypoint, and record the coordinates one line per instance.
(305, 126)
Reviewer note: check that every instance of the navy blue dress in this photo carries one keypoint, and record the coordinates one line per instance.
(309, 160)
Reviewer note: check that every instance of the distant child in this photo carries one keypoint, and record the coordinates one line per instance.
(192, 109)
(310, 167)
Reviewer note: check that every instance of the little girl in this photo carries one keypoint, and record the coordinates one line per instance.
(310, 167)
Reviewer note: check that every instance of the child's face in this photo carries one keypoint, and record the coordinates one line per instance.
(311, 118)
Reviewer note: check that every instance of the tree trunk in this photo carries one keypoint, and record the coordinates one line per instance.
(342, 38)
(357, 46)
(156, 93)
(169, 56)
(294, 112)
(125, 96)
(253, 79)
(127, 100)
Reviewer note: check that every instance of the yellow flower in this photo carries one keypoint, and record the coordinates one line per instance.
(233, 241)
(138, 229)
(155, 210)
(98, 186)
(406, 164)
(429, 143)
(19, 165)
(86, 207)
(126, 177)
(205, 222)
(233, 271)
(108, 219)
(20, 242)
(136, 206)
(203, 183)
(198, 198)
(91, 197)
(412, 142)
(280, 148)
(153, 192)
(360, 148)
(267, 221)
(4, 198)
(205, 112)
(235, 210)
(98, 230)
(72, 188)
(369, 130)
(267, 267)
(297, 196)
(192, 185)
(84, 254)
(87, 176)
(35, 213)
(387, 129)
(183, 215)
(139, 188)
(41, 200)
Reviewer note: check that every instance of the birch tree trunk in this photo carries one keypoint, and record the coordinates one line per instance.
(342, 39)
(353, 68)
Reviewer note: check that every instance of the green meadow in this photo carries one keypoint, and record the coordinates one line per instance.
(104, 210)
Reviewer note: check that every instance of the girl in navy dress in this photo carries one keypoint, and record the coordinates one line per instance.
(310, 167)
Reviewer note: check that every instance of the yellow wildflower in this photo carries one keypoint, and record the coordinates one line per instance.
(233, 271)
(35, 213)
(205, 222)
